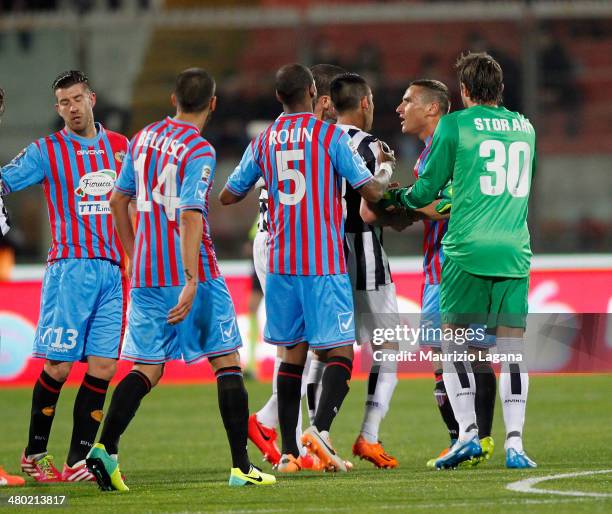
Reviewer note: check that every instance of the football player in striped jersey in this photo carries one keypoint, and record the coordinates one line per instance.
(180, 306)
(82, 301)
(308, 293)
(5, 478)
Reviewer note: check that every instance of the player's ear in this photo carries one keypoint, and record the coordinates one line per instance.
(312, 90)
(213, 103)
(92, 97)
(278, 97)
(173, 100)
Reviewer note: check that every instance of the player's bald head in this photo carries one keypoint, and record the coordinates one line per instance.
(194, 89)
(293, 81)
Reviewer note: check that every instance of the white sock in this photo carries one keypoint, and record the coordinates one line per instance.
(460, 388)
(313, 382)
(381, 384)
(298, 429)
(268, 414)
(513, 389)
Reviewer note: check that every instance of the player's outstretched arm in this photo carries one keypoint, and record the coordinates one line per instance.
(226, 197)
(374, 190)
(120, 209)
(243, 178)
(397, 219)
(191, 228)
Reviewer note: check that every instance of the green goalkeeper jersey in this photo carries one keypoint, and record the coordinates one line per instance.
(489, 154)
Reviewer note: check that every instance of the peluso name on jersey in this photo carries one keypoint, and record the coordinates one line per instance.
(166, 145)
(503, 125)
(289, 136)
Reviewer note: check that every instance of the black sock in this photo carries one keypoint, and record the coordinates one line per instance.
(124, 404)
(44, 398)
(334, 388)
(288, 392)
(234, 408)
(445, 408)
(486, 390)
(87, 415)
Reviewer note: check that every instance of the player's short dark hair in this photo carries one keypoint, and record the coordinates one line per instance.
(292, 82)
(323, 75)
(1, 101)
(435, 91)
(193, 89)
(70, 78)
(482, 76)
(347, 90)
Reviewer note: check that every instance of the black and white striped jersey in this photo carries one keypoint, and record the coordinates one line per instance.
(263, 221)
(4, 222)
(367, 261)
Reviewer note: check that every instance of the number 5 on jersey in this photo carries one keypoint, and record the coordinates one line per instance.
(283, 158)
(167, 178)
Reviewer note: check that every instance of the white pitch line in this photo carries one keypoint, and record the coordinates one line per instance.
(526, 485)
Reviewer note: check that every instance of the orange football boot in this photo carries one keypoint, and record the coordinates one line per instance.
(375, 453)
(10, 480)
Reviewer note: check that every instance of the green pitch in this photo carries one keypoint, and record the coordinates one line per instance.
(175, 456)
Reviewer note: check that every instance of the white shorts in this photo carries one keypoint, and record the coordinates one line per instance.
(260, 257)
(375, 309)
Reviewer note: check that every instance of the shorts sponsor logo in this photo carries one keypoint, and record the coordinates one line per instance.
(228, 329)
(96, 183)
(345, 321)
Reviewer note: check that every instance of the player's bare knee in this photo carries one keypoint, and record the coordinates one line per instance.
(101, 367)
(343, 351)
(225, 361)
(296, 354)
(153, 372)
(58, 370)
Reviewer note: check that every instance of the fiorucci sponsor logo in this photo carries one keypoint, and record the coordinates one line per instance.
(96, 183)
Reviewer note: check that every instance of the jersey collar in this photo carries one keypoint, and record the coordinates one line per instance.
(285, 115)
(179, 123)
(86, 141)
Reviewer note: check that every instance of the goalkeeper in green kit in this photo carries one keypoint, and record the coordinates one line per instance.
(489, 154)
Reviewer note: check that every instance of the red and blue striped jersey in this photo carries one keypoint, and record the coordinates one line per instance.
(169, 166)
(302, 161)
(433, 231)
(77, 175)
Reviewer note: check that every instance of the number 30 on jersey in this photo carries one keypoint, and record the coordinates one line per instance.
(510, 169)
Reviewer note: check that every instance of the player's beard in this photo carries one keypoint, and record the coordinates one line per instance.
(207, 120)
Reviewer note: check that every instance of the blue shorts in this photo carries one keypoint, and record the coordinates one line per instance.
(209, 330)
(316, 309)
(431, 318)
(81, 311)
